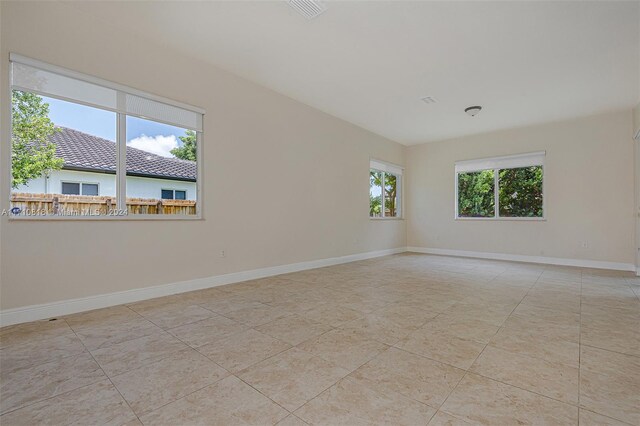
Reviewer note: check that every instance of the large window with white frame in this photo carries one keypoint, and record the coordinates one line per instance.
(385, 190)
(82, 146)
(510, 187)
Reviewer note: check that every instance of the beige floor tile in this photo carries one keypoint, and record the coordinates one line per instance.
(441, 311)
(553, 300)
(363, 304)
(25, 333)
(345, 348)
(226, 303)
(134, 422)
(294, 329)
(227, 402)
(442, 347)
(293, 377)
(99, 403)
(291, 420)
(488, 313)
(600, 361)
(28, 385)
(413, 376)
(99, 335)
(207, 331)
(462, 327)
(612, 337)
(479, 400)
(332, 314)
(167, 380)
(552, 379)
(38, 351)
(351, 403)
(171, 317)
(148, 307)
(255, 313)
(111, 315)
(131, 354)
(379, 328)
(543, 316)
(243, 349)
(589, 418)
(406, 315)
(537, 345)
(570, 332)
(443, 419)
(610, 384)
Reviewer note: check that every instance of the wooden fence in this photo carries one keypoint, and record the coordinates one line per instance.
(85, 205)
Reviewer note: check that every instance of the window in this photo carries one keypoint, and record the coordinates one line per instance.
(78, 188)
(173, 194)
(73, 134)
(502, 187)
(385, 190)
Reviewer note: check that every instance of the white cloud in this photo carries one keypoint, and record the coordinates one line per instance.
(159, 145)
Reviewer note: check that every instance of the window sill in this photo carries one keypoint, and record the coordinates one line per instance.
(386, 218)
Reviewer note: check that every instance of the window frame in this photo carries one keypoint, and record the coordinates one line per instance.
(81, 184)
(397, 171)
(120, 142)
(496, 188)
(173, 192)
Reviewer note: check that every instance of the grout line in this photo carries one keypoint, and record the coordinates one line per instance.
(580, 348)
(108, 378)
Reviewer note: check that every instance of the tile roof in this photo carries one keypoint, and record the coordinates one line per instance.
(87, 152)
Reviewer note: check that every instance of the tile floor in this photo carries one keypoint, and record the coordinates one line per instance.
(401, 340)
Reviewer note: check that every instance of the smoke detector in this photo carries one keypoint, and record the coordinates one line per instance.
(310, 9)
(473, 110)
(429, 100)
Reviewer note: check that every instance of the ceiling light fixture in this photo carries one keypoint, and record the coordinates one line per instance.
(308, 8)
(429, 100)
(473, 110)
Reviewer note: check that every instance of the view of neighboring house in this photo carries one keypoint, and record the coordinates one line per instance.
(90, 169)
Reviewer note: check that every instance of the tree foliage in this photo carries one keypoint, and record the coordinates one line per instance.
(32, 153)
(188, 149)
(519, 193)
(475, 194)
(390, 192)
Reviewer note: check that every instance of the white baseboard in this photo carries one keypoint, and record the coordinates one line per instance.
(583, 263)
(66, 307)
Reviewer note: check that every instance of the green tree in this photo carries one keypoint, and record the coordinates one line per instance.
(188, 149)
(390, 192)
(475, 194)
(520, 193)
(32, 153)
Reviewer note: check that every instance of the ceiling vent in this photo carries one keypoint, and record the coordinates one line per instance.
(429, 100)
(308, 8)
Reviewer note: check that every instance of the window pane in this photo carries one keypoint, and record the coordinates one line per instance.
(90, 189)
(54, 144)
(520, 192)
(160, 159)
(181, 195)
(390, 195)
(476, 194)
(375, 193)
(70, 188)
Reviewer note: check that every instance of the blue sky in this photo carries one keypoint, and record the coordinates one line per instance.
(142, 134)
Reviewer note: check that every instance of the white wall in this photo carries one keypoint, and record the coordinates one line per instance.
(589, 192)
(283, 183)
(137, 187)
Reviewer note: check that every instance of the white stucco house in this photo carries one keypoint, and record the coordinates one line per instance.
(90, 166)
